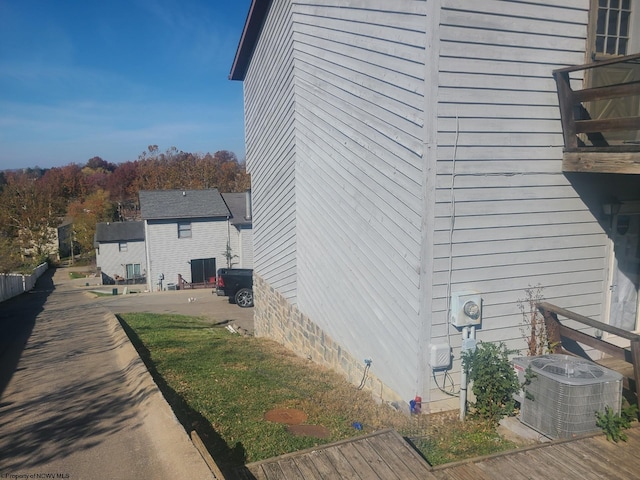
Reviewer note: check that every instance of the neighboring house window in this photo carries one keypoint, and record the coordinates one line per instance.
(133, 270)
(122, 246)
(184, 230)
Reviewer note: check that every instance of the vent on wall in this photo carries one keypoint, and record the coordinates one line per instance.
(565, 393)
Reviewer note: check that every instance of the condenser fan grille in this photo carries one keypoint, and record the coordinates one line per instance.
(568, 369)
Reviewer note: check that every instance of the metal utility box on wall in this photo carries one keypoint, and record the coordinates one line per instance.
(565, 394)
(466, 309)
(440, 356)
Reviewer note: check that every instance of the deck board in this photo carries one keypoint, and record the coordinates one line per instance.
(341, 463)
(589, 457)
(327, 466)
(378, 456)
(374, 459)
(386, 455)
(580, 456)
(401, 457)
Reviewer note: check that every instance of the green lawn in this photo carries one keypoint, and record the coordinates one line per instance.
(76, 275)
(221, 385)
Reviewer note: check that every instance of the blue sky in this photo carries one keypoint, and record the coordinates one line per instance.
(89, 78)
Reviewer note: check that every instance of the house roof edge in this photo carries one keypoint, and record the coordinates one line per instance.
(250, 33)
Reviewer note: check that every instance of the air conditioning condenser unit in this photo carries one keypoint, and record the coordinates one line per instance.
(565, 393)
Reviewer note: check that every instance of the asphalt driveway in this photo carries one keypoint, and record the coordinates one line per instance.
(198, 303)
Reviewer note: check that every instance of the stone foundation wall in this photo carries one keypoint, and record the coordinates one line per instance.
(277, 319)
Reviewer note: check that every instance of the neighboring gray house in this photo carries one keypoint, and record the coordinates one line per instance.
(63, 235)
(241, 233)
(187, 233)
(120, 252)
(408, 154)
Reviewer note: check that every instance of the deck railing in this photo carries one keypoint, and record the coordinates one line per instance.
(556, 331)
(601, 123)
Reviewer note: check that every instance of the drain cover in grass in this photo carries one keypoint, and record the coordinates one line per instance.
(317, 431)
(290, 416)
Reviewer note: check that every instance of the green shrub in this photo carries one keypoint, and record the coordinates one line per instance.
(613, 425)
(494, 380)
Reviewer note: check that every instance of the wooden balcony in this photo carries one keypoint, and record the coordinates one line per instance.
(601, 123)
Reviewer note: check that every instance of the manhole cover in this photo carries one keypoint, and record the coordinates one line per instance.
(290, 416)
(317, 431)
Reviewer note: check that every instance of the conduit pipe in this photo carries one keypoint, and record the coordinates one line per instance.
(468, 343)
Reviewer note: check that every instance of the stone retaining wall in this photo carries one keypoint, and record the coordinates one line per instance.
(277, 319)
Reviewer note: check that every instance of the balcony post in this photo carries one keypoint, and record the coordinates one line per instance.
(566, 102)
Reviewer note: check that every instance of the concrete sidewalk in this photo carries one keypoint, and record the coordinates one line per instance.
(76, 401)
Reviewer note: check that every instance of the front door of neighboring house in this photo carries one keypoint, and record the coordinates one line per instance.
(625, 273)
(614, 31)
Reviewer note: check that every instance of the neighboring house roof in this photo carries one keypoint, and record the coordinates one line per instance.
(237, 203)
(170, 204)
(65, 221)
(119, 232)
(252, 26)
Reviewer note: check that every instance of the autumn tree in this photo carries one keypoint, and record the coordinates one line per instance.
(67, 182)
(123, 193)
(98, 164)
(9, 254)
(29, 216)
(86, 214)
(174, 169)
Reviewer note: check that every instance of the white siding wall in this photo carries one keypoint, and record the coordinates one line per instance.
(246, 247)
(518, 220)
(241, 246)
(374, 112)
(170, 255)
(236, 249)
(112, 261)
(269, 117)
(359, 98)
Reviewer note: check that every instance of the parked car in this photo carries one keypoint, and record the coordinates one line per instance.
(237, 284)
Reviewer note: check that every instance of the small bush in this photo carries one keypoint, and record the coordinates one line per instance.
(613, 425)
(494, 380)
(533, 328)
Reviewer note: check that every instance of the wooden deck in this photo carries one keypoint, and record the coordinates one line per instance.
(385, 455)
(380, 455)
(587, 458)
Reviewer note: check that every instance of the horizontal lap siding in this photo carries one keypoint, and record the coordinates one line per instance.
(171, 256)
(518, 220)
(270, 143)
(246, 247)
(113, 262)
(359, 126)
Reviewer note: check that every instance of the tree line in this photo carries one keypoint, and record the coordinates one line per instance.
(36, 201)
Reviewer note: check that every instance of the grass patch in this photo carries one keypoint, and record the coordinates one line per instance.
(446, 439)
(221, 385)
(76, 275)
